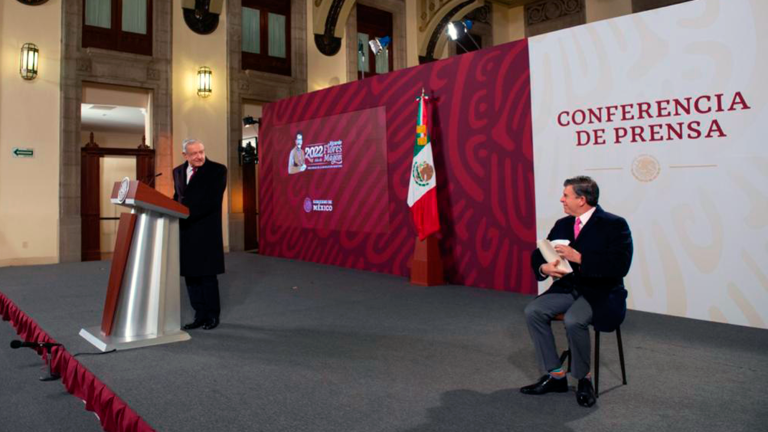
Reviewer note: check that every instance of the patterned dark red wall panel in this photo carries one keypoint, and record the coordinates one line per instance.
(480, 125)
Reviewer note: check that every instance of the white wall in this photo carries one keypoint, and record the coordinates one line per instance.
(508, 24)
(29, 118)
(193, 116)
(323, 71)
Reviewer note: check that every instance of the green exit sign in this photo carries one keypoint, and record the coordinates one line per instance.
(23, 152)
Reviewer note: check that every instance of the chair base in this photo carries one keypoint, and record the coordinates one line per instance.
(566, 355)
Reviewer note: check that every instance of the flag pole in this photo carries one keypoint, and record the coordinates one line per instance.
(426, 263)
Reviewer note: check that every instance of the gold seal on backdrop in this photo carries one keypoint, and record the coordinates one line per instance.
(645, 168)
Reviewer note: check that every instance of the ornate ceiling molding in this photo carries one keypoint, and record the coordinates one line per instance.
(546, 10)
(329, 19)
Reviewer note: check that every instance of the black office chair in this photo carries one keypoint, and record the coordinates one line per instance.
(567, 355)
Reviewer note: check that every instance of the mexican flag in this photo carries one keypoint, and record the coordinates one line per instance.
(422, 193)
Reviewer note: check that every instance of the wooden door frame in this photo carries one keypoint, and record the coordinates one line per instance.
(90, 190)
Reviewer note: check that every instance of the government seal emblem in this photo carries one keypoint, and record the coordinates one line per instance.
(122, 193)
(645, 168)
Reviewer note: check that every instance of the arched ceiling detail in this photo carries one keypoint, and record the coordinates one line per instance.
(330, 18)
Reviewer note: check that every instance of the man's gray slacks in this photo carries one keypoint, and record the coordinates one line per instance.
(578, 316)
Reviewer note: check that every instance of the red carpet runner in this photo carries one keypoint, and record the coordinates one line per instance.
(115, 415)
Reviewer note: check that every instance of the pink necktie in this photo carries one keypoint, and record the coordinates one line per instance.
(576, 228)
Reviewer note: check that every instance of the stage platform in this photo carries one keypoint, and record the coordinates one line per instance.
(307, 347)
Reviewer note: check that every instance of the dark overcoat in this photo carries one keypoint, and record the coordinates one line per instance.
(605, 244)
(200, 235)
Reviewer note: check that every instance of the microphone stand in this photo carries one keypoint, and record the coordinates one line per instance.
(51, 376)
(362, 54)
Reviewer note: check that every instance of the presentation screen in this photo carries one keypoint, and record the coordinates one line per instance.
(331, 172)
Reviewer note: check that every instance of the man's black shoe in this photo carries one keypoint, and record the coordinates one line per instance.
(585, 393)
(546, 384)
(194, 324)
(211, 324)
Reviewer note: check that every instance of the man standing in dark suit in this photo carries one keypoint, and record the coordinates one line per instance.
(600, 253)
(199, 184)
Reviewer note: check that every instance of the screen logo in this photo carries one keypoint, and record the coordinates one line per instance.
(318, 205)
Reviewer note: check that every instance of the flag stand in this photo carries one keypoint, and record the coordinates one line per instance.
(427, 265)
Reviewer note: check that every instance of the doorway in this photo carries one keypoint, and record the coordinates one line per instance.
(249, 142)
(114, 129)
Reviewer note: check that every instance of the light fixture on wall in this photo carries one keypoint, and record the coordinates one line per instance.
(379, 44)
(250, 121)
(455, 27)
(28, 61)
(204, 81)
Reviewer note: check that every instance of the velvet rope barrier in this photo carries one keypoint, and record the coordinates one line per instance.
(114, 414)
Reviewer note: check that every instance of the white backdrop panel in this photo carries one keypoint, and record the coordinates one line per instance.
(697, 204)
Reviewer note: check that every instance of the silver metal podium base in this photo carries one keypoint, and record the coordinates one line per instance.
(108, 343)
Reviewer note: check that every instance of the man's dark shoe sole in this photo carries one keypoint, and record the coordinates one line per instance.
(546, 384)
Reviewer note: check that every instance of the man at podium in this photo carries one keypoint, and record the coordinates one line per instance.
(199, 184)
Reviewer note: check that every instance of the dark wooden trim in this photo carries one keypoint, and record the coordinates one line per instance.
(119, 262)
(90, 186)
(114, 38)
(145, 168)
(110, 151)
(263, 62)
(250, 212)
(90, 211)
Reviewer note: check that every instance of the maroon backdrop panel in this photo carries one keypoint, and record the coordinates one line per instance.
(480, 125)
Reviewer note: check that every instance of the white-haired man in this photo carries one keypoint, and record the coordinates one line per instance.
(199, 184)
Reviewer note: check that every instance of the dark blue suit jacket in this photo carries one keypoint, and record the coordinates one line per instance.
(200, 235)
(605, 244)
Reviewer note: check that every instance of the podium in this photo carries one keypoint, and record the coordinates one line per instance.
(142, 307)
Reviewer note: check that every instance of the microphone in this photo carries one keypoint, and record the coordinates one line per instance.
(15, 344)
(152, 180)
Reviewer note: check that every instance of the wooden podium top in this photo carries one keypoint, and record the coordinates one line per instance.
(133, 193)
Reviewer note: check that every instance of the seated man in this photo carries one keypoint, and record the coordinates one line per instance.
(600, 253)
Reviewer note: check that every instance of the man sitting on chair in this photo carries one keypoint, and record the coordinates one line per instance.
(600, 253)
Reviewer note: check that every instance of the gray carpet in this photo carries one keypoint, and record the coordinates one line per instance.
(306, 347)
(26, 403)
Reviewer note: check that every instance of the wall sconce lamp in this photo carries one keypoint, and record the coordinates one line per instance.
(204, 82)
(453, 29)
(28, 61)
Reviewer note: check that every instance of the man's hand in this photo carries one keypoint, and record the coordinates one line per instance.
(550, 269)
(568, 253)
